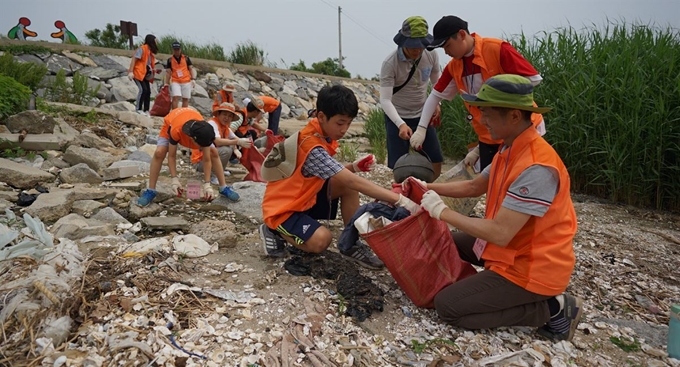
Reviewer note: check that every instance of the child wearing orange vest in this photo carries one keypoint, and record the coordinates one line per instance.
(525, 239)
(292, 205)
(225, 139)
(142, 71)
(185, 126)
(272, 106)
(251, 115)
(474, 59)
(226, 94)
(179, 74)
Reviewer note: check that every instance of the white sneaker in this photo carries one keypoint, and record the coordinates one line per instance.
(227, 173)
(213, 180)
(140, 112)
(147, 113)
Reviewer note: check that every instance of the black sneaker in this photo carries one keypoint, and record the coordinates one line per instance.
(563, 325)
(362, 255)
(273, 244)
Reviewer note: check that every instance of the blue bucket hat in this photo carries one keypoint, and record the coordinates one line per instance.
(413, 33)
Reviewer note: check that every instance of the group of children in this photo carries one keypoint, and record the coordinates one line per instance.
(214, 143)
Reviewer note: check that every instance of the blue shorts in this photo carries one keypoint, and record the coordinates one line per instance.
(396, 146)
(302, 225)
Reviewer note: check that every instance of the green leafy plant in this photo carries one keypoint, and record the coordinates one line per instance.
(26, 73)
(374, 127)
(108, 37)
(25, 49)
(348, 151)
(633, 346)
(330, 66)
(76, 91)
(247, 53)
(14, 97)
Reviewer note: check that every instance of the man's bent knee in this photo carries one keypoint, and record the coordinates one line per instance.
(319, 241)
(446, 309)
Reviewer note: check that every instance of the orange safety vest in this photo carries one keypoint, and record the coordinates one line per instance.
(197, 154)
(174, 122)
(222, 96)
(245, 126)
(180, 70)
(296, 193)
(270, 103)
(139, 70)
(487, 55)
(540, 258)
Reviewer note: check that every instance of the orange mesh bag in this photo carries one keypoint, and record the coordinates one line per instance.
(419, 253)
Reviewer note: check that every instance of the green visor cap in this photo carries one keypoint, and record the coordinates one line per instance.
(506, 90)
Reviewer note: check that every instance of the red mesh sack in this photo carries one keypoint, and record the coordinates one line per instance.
(419, 253)
(252, 159)
(161, 105)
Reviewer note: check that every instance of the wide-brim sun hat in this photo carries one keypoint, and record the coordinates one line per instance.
(508, 91)
(225, 106)
(413, 33)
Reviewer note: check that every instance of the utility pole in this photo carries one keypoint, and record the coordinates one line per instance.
(339, 39)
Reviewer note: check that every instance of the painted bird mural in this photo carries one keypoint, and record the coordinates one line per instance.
(20, 32)
(64, 34)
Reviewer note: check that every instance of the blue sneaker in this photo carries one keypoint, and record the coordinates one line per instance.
(147, 197)
(234, 161)
(230, 194)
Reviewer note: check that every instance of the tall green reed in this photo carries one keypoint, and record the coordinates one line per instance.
(209, 51)
(374, 127)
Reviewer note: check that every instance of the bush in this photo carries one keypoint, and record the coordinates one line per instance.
(374, 127)
(247, 53)
(26, 73)
(210, 51)
(77, 91)
(455, 133)
(14, 97)
(109, 37)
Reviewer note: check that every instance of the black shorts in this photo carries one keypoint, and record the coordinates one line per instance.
(302, 225)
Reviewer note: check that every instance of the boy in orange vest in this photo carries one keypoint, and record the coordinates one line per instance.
(185, 126)
(292, 205)
(179, 74)
(474, 60)
(226, 94)
(225, 140)
(525, 239)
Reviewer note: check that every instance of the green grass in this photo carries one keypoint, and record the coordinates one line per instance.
(25, 49)
(625, 346)
(14, 97)
(209, 51)
(247, 53)
(615, 91)
(374, 128)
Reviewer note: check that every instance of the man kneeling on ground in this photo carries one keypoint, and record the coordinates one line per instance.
(292, 205)
(525, 240)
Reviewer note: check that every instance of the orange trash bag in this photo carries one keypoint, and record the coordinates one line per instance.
(419, 252)
(252, 159)
(161, 105)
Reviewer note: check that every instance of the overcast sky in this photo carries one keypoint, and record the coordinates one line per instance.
(290, 30)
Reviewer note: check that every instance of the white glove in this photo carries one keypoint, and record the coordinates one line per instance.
(407, 204)
(472, 157)
(177, 186)
(245, 142)
(433, 204)
(131, 75)
(237, 153)
(405, 186)
(208, 193)
(364, 164)
(418, 137)
(193, 84)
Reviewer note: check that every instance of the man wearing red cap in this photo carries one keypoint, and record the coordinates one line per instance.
(474, 60)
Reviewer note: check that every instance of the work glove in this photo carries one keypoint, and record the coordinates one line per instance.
(433, 204)
(131, 75)
(406, 185)
(208, 193)
(177, 187)
(364, 164)
(472, 157)
(418, 137)
(245, 142)
(407, 204)
(405, 132)
(237, 153)
(193, 84)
